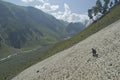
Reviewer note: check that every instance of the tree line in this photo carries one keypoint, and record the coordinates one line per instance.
(101, 8)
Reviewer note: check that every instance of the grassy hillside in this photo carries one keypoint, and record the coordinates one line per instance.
(21, 63)
(7, 50)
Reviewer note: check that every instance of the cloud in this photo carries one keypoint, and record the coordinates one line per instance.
(28, 0)
(69, 16)
(47, 7)
(66, 15)
(42, 1)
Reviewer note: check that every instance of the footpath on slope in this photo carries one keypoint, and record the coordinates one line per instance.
(77, 62)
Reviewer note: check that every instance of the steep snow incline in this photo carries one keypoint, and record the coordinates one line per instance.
(77, 62)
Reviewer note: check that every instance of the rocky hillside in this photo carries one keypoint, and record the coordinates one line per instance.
(77, 62)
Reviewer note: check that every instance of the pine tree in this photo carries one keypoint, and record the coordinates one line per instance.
(95, 10)
(99, 6)
(116, 1)
(105, 6)
(90, 14)
(111, 4)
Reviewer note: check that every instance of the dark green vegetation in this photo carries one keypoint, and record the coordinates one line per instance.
(101, 8)
(12, 67)
(27, 28)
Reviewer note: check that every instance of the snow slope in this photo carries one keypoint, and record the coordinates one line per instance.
(77, 62)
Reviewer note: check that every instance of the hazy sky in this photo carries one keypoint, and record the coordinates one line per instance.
(68, 10)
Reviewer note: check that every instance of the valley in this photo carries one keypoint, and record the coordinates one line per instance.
(34, 45)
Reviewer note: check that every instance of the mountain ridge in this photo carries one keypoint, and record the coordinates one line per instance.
(23, 26)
